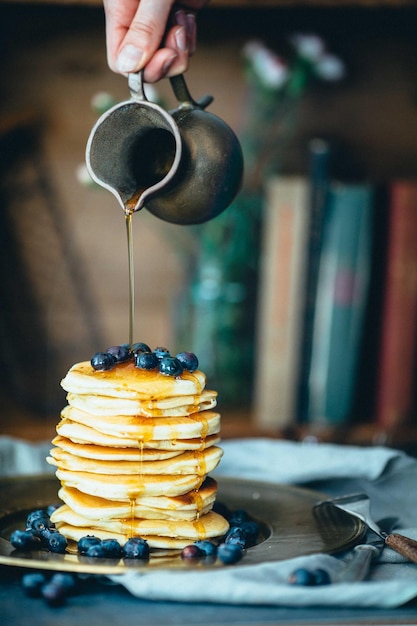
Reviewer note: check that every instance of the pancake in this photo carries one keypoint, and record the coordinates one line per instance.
(128, 487)
(143, 428)
(155, 543)
(79, 433)
(195, 462)
(127, 381)
(188, 506)
(103, 453)
(165, 407)
(207, 526)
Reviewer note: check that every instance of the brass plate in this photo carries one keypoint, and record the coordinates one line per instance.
(289, 527)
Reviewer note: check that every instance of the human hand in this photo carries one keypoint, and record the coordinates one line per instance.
(157, 35)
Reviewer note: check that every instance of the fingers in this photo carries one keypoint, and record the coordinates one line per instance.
(136, 28)
(134, 31)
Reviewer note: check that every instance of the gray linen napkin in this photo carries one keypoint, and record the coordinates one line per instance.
(18, 458)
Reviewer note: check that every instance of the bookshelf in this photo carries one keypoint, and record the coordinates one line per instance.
(359, 102)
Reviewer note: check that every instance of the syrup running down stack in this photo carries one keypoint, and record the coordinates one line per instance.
(134, 450)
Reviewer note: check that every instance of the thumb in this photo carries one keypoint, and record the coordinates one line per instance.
(134, 31)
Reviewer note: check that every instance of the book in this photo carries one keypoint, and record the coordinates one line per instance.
(397, 358)
(319, 178)
(342, 291)
(282, 282)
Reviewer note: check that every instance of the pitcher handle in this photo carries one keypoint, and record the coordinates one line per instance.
(182, 94)
(136, 87)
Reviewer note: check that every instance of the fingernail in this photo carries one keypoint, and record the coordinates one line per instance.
(168, 63)
(191, 27)
(181, 39)
(129, 58)
(180, 18)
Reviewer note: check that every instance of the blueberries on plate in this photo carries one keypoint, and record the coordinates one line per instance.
(136, 548)
(208, 548)
(191, 552)
(229, 553)
(86, 542)
(96, 551)
(25, 540)
(112, 548)
(57, 543)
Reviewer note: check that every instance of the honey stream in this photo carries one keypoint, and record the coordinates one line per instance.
(129, 211)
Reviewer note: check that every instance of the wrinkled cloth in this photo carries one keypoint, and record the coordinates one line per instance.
(388, 476)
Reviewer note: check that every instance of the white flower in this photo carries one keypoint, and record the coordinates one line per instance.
(268, 66)
(330, 67)
(310, 47)
(102, 101)
(83, 176)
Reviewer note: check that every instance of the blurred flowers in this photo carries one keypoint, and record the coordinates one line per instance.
(276, 86)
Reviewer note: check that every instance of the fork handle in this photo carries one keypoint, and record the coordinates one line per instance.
(404, 545)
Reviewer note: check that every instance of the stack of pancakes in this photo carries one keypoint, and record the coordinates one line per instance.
(133, 453)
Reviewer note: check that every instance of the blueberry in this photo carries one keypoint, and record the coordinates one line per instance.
(207, 547)
(34, 515)
(65, 580)
(238, 516)
(102, 361)
(57, 543)
(170, 366)
(188, 360)
(41, 524)
(321, 577)
(302, 576)
(140, 347)
(96, 551)
(236, 536)
(229, 553)
(146, 360)
(52, 508)
(46, 533)
(32, 584)
(85, 542)
(191, 552)
(136, 548)
(161, 352)
(251, 530)
(54, 594)
(112, 548)
(25, 540)
(119, 353)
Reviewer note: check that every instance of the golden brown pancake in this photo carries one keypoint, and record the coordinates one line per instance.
(195, 462)
(207, 526)
(165, 407)
(128, 381)
(188, 506)
(79, 433)
(148, 428)
(125, 487)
